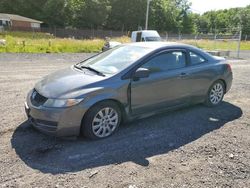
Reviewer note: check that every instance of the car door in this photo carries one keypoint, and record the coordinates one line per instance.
(200, 72)
(166, 85)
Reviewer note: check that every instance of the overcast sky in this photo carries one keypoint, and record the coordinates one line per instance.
(201, 6)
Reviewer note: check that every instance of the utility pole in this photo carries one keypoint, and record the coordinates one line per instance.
(240, 35)
(146, 24)
(239, 41)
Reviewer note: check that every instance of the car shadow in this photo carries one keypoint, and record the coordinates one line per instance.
(136, 141)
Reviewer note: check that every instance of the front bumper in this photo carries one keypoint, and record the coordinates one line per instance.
(60, 122)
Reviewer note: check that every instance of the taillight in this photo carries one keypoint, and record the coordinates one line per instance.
(229, 68)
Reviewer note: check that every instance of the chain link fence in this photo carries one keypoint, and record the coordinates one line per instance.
(71, 33)
(228, 45)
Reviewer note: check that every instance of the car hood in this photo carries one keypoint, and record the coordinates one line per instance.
(68, 83)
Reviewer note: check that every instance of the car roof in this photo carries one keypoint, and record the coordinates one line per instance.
(159, 45)
(156, 45)
(147, 32)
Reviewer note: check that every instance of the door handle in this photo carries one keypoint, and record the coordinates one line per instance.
(183, 75)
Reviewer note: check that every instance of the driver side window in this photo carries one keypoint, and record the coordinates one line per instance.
(166, 61)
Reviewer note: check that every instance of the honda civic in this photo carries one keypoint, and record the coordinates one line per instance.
(127, 82)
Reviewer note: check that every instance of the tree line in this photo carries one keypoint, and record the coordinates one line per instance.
(173, 16)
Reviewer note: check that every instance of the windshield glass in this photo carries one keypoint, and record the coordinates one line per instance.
(116, 59)
(153, 39)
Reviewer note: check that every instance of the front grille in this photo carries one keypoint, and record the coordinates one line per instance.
(37, 99)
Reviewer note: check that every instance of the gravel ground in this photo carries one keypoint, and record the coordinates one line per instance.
(192, 147)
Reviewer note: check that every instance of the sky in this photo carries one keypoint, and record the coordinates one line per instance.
(201, 6)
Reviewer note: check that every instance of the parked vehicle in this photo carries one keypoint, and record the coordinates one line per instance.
(110, 44)
(129, 81)
(136, 36)
(145, 36)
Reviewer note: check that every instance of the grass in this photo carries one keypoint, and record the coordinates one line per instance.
(26, 35)
(20, 42)
(218, 45)
(29, 42)
(19, 45)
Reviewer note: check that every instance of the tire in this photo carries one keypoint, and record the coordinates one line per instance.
(215, 94)
(101, 120)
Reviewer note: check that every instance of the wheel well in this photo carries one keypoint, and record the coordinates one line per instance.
(223, 81)
(119, 104)
(121, 107)
(225, 84)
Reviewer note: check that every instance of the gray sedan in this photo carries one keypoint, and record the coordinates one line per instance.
(127, 82)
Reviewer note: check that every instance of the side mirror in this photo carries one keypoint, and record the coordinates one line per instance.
(141, 73)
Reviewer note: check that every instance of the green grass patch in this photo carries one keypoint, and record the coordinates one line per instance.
(30, 42)
(26, 35)
(218, 45)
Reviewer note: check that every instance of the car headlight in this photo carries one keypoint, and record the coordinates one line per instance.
(59, 103)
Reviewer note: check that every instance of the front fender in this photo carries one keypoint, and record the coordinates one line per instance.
(120, 95)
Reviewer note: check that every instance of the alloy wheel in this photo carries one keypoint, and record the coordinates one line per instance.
(216, 93)
(105, 122)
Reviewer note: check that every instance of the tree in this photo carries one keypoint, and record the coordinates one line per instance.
(243, 17)
(56, 13)
(165, 15)
(184, 16)
(89, 13)
(49, 11)
(127, 15)
(200, 23)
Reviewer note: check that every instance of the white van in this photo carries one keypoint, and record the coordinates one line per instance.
(145, 36)
(137, 36)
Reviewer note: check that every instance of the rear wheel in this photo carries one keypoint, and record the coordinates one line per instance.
(102, 120)
(215, 94)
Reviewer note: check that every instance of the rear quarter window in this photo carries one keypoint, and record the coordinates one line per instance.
(196, 59)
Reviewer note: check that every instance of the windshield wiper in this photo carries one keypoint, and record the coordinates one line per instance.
(89, 68)
(77, 67)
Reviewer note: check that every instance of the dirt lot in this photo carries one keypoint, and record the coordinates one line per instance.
(192, 147)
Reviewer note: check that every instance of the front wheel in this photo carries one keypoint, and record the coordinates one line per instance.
(215, 94)
(102, 120)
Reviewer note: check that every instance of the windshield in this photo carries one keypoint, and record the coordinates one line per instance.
(116, 59)
(153, 39)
